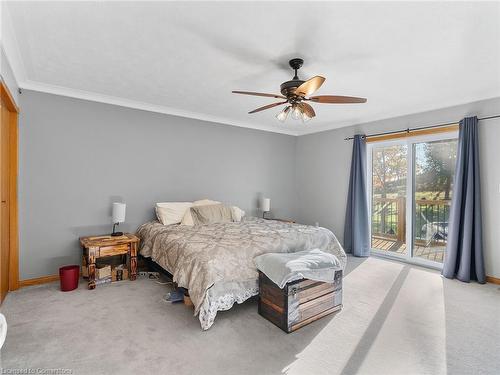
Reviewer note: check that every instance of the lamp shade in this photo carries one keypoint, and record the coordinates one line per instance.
(119, 212)
(266, 204)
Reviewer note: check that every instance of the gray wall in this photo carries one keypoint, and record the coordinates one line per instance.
(323, 163)
(76, 157)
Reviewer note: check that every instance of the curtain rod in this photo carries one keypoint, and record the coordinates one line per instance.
(407, 130)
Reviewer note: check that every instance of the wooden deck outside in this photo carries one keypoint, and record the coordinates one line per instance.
(434, 252)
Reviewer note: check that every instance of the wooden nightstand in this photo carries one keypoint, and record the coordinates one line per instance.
(105, 246)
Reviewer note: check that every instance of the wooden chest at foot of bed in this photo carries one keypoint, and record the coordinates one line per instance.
(300, 302)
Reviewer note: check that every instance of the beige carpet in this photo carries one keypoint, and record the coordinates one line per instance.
(397, 319)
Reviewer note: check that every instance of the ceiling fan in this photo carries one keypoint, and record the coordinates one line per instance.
(296, 92)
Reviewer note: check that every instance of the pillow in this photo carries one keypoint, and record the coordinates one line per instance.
(238, 213)
(171, 212)
(205, 202)
(187, 219)
(212, 214)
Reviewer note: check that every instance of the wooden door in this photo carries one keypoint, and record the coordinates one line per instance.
(4, 205)
(9, 268)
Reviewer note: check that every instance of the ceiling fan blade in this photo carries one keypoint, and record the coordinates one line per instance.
(336, 99)
(266, 107)
(309, 111)
(310, 86)
(259, 94)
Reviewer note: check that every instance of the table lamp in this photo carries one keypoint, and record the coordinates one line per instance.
(266, 206)
(118, 217)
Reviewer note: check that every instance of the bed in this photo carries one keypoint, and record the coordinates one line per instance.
(215, 261)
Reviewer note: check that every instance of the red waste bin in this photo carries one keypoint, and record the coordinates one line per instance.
(69, 276)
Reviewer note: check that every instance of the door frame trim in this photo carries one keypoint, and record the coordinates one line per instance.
(13, 192)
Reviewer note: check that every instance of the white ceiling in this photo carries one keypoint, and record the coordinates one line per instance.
(185, 58)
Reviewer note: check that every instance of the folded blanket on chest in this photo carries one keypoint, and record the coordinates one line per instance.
(283, 268)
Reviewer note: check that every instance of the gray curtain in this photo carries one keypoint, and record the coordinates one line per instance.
(356, 230)
(464, 250)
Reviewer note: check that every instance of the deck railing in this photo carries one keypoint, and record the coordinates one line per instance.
(431, 219)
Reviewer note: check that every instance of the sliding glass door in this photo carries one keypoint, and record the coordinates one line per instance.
(411, 185)
(389, 185)
(434, 168)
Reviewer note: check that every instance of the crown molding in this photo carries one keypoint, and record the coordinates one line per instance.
(118, 101)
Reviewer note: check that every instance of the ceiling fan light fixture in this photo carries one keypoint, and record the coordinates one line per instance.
(305, 117)
(283, 115)
(296, 112)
